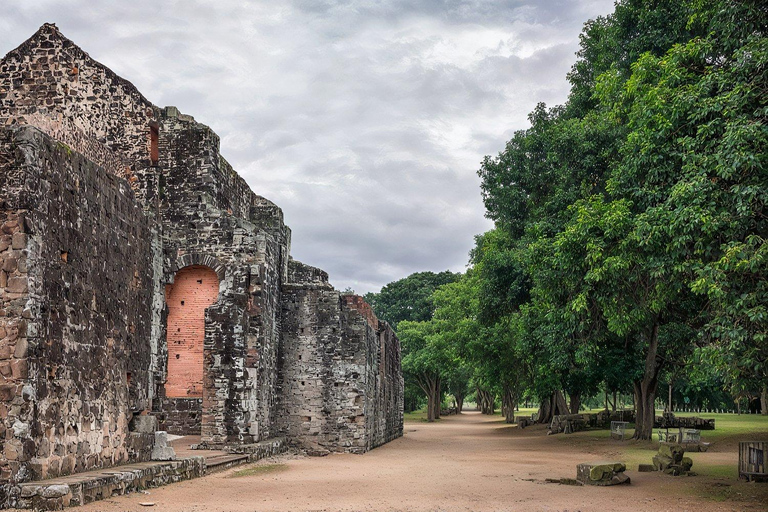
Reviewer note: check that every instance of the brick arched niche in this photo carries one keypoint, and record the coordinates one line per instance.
(194, 289)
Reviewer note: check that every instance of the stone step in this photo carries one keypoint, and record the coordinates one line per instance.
(222, 462)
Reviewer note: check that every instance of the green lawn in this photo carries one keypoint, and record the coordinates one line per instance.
(728, 427)
(717, 468)
(733, 427)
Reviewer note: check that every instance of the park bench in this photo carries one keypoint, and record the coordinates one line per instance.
(689, 438)
(752, 458)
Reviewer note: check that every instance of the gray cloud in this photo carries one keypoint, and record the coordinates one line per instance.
(364, 120)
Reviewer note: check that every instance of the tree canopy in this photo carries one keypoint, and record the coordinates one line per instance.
(409, 298)
(630, 223)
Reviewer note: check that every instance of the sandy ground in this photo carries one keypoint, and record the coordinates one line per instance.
(462, 463)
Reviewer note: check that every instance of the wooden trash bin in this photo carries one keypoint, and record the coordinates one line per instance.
(752, 458)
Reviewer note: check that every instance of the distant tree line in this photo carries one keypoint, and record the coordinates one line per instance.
(629, 248)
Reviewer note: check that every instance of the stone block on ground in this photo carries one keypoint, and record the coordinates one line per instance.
(671, 460)
(602, 473)
(569, 423)
(524, 421)
(162, 450)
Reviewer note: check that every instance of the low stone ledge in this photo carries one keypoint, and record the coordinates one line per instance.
(83, 488)
(260, 450)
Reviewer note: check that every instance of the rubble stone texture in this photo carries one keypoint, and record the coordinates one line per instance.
(140, 275)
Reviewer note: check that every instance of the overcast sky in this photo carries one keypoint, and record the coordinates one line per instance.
(366, 121)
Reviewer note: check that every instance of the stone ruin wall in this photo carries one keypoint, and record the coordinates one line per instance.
(52, 84)
(335, 385)
(389, 394)
(75, 311)
(208, 211)
(197, 211)
(310, 338)
(384, 381)
(202, 205)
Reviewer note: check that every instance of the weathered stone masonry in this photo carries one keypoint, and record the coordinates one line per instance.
(333, 368)
(75, 300)
(139, 274)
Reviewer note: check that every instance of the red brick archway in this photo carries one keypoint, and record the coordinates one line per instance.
(194, 288)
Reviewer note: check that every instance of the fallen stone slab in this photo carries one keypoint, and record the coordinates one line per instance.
(602, 473)
(260, 450)
(524, 421)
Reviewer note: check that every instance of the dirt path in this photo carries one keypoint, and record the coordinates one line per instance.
(465, 463)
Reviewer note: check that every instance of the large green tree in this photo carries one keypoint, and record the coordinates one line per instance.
(640, 204)
(428, 358)
(694, 167)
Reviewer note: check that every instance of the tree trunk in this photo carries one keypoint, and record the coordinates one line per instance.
(615, 402)
(764, 400)
(485, 401)
(430, 385)
(555, 406)
(561, 406)
(575, 402)
(430, 408)
(459, 404)
(438, 398)
(645, 389)
(669, 397)
(545, 411)
(508, 400)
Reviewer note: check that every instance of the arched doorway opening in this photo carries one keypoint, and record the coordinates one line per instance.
(194, 289)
